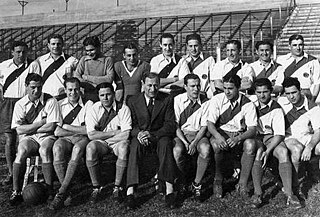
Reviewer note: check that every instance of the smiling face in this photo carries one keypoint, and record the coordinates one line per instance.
(264, 52)
(263, 94)
(73, 91)
(167, 46)
(55, 46)
(233, 53)
(294, 95)
(231, 91)
(106, 97)
(130, 56)
(194, 48)
(34, 90)
(91, 51)
(296, 47)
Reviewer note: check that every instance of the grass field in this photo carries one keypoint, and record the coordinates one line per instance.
(152, 205)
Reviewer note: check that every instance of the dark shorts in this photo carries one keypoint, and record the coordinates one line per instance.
(6, 111)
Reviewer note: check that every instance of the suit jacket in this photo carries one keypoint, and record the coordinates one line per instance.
(162, 121)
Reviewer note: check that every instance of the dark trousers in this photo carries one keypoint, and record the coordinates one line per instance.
(167, 165)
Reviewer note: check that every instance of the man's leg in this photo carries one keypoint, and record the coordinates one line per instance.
(179, 154)
(218, 176)
(61, 149)
(167, 168)
(10, 151)
(295, 148)
(26, 148)
(247, 159)
(94, 151)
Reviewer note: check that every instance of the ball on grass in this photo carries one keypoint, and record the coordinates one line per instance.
(35, 193)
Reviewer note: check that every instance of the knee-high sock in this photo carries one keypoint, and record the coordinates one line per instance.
(121, 166)
(246, 166)
(72, 166)
(60, 168)
(47, 170)
(295, 174)
(285, 171)
(10, 150)
(257, 173)
(218, 157)
(94, 171)
(18, 174)
(202, 164)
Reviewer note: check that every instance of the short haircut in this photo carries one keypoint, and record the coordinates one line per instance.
(291, 81)
(130, 46)
(58, 36)
(235, 42)
(150, 75)
(193, 36)
(104, 85)
(189, 77)
(166, 35)
(18, 44)
(33, 77)
(264, 42)
(263, 82)
(235, 79)
(71, 80)
(295, 37)
(92, 40)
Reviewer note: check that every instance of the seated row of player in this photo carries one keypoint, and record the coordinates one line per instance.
(148, 121)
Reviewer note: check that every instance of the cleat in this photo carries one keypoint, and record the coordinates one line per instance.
(293, 202)
(217, 190)
(117, 193)
(196, 189)
(256, 201)
(95, 195)
(15, 198)
(58, 201)
(241, 191)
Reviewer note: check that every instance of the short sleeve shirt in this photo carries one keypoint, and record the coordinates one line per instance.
(236, 115)
(258, 67)
(121, 121)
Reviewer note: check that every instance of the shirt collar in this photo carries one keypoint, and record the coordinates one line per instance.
(289, 55)
(50, 57)
(173, 58)
(229, 62)
(201, 56)
(100, 58)
(66, 101)
(226, 100)
(12, 63)
(27, 101)
(114, 106)
(262, 107)
(305, 104)
(186, 99)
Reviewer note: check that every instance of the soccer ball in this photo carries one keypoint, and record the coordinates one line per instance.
(35, 193)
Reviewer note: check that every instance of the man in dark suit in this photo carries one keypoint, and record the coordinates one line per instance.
(152, 125)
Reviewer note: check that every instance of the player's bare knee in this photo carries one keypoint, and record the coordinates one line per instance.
(281, 153)
(22, 153)
(259, 153)
(317, 149)
(123, 150)
(91, 150)
(58, 151)
(204, 150)
(249, 146)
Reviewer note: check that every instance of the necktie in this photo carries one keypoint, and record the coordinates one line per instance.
(150, 106)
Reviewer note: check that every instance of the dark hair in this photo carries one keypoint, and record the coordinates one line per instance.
(105, 85)
(263, 82)
(18, 44)
(92, 40)
(71, 80)
(295, 37)
(235, 79)
(264, 42)
(130, 46)
(189, 77)
(150, 75)
(291, 81)
(166, 35)
(33, 77)
(193, 36)
(55, 36)
(235, 42)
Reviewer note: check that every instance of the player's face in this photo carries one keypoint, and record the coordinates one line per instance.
(106, 97)
(296, 47)
(193, 88)
(293, 95)
(73, 91)
(264, 52)
(151, 87)
(130, 56)
(34, 90)
(231, 91)
(19, 54)
(55, 46)
(91, 51)
(233, 53)
(194, 48)
(167, 46)
(263, 94)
